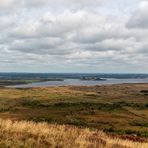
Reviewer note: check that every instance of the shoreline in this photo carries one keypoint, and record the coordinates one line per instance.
(69, 85)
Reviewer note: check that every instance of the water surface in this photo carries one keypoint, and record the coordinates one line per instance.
(79, 82)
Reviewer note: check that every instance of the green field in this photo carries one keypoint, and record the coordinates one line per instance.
(119, 109)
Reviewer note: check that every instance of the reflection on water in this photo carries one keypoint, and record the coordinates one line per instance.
(80, 82)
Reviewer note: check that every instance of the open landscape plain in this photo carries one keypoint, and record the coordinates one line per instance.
(120, 111)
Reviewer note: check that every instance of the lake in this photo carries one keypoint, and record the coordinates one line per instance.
(79, 82)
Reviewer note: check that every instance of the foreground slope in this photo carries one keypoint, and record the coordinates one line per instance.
(41, 135)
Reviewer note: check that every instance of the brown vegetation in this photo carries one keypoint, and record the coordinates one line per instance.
(117, 109)
(41, 135)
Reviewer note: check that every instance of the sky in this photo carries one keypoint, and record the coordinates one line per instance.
(95, 36)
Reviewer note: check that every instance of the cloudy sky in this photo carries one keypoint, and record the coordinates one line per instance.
(105, 36)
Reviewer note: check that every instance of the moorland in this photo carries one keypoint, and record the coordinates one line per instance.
(116, 109)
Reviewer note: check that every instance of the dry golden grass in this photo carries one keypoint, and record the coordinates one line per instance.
(23, 134)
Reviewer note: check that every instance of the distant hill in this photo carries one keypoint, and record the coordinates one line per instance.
(16, 76)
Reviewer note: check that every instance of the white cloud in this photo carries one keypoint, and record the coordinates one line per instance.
(8, 4)
(38, 36)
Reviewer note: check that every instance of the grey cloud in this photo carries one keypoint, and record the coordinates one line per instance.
(38, 46)
(140, 17)
(113, 45)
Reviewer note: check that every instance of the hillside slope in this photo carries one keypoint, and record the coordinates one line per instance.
(24, 134)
